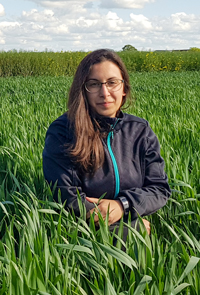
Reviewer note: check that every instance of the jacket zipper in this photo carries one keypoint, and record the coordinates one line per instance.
(116, 171)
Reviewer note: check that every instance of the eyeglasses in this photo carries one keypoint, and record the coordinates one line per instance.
(112, 85)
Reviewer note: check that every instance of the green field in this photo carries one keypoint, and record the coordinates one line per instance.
(45, 250)
(56, 64)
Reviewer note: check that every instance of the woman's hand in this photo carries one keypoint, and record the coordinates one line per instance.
(147, 225)
(115, 210)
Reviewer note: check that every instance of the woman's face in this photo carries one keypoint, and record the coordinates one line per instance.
(105, 102)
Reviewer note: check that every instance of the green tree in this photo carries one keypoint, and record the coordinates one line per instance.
(129, 48)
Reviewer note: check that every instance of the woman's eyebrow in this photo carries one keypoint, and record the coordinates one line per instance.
(92, 79)
(113, 78)
(106, 80)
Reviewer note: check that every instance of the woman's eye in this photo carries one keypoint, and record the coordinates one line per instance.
(93, 84)
(112, 82)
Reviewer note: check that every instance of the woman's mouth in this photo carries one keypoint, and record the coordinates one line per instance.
(105, 104)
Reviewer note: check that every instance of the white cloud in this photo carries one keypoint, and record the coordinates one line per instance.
(128, 4)
(113, 22)
(181, 21)
(99, 25)
(69, 25)
(85, 23)
(68, 4)
(59, 30)
(7, 25)
(34, 15)
(64, 7)
(58, 2)
(140, 22)
(2, 10)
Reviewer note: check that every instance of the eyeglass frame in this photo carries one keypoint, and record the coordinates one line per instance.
(121, 80)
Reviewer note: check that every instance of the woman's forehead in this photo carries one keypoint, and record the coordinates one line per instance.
(106, 70)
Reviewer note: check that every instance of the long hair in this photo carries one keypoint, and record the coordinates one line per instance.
(87, 150)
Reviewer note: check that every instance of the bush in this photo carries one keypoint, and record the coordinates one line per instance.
(65, 63)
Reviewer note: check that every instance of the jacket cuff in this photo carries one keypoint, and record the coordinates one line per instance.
(125, 204)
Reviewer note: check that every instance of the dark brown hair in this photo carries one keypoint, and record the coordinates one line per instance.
(87, 150)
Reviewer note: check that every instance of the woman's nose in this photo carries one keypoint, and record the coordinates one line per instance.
(104, 90)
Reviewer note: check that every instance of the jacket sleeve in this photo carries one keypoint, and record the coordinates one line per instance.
(58, 168)
(155, 191)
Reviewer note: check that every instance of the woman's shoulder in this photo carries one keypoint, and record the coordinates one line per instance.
(133, 118)
(60, 121)
(139, 125)
(60, 128)
(141, 129)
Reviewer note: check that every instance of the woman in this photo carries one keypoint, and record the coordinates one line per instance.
(98, 149)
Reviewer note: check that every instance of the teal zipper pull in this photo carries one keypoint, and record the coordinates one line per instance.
(112, 128)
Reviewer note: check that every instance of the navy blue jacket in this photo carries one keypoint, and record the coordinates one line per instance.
(132, 168)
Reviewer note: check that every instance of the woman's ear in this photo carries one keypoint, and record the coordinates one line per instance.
(123, 94)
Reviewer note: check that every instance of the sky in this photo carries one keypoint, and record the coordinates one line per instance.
(85, 25)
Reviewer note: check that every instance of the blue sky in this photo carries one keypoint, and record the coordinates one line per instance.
(87, 25)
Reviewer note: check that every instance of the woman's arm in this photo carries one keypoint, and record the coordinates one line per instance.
(59, 169)
(155, 191)
(144, 200)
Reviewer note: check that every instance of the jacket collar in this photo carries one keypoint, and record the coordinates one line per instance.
(106, 123)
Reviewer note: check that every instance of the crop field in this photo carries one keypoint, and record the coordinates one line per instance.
(54, 64)
(45, 250)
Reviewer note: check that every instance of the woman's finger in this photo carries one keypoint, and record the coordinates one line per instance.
(92, 200)
(147, 225)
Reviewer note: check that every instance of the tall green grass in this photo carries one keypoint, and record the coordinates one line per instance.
(161, 61)
(65, 63)
(46, 250)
